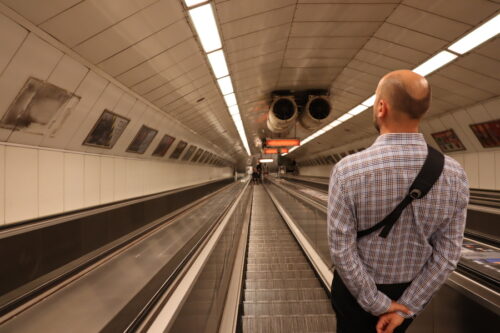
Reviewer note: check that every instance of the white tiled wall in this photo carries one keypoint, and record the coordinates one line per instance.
(36, 182)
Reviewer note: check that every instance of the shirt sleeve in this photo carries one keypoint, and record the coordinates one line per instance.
(342, 229)
(446, 243)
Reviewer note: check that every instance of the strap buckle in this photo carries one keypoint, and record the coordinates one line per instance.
(415, 193)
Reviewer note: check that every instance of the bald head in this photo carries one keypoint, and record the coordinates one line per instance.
(405, 92)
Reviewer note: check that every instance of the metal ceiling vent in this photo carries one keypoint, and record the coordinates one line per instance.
(315, 112)
(282, 114)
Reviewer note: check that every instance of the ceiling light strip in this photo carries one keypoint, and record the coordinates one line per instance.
(477, 36)
(204, 22)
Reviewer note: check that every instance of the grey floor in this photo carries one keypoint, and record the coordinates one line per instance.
(282, 294)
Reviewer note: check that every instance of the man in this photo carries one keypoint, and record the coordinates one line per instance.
(381, 283)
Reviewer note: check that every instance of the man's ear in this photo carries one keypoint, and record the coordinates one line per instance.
(381, 109)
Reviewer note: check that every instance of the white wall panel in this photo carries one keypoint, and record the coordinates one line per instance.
(21, 183)
(478, 113)
(89, 90)
(107, 179)
(68, 74)
(23, 65)
(26, 64)
(486, 170)
(460, 158)
(11, 35)
(493, 107)
(2, 184)
(92, 180)
(120, 178)
(50, 182)
(135, 177)
(73, 181)
(463, 119)
(472, 169)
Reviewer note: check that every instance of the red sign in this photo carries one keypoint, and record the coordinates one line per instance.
(284, 150)
(282, 142)
(270, 150)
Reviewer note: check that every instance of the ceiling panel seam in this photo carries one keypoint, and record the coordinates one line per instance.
(59, 13)
(141, 40)
(116, 23)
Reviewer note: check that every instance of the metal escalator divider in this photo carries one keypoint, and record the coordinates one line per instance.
(282, 293)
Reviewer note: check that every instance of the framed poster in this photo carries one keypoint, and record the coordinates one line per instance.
(106, 131)
(203, 157)
(487, 133)
(142, 140)
(330, 159)
(188, 153)
(39, 107)
(209, 156)
(197, 155)
(448, 141)
(163, 146)
(178, 150)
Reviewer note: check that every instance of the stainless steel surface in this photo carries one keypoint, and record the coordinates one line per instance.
(282, 115)
(92, 302)
(315, 113)
(281, 294)
(202, 310)
(309, 216)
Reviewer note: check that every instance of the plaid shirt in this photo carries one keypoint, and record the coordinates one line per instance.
(424, 244)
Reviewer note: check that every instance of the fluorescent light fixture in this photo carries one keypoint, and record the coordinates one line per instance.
(438, 61)
(218, 63)
(369, 102)
(234, 110)
(345, 117)
(357, 110)
(333, 124)
(191, 3)
(230, 99)
(266, 160)
(204, 22)
(477, 36)
(225, 85)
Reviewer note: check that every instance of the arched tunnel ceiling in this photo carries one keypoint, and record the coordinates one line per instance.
(344, 46)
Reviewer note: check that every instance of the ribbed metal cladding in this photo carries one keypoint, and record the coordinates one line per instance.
(282, 294)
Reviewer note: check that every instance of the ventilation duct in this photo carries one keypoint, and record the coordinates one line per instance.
(315, 112)
(282, 114)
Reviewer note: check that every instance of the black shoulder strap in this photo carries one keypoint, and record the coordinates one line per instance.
(426, 178)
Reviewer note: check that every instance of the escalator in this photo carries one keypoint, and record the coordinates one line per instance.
(281, 290)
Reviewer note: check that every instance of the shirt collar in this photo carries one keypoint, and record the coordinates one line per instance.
(400, 139)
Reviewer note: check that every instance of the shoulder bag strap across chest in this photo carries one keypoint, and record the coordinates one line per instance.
(426, 178)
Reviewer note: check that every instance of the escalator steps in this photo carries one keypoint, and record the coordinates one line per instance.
(282, 293)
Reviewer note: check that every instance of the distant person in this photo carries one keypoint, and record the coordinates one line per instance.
(259, 170)
(255, 176)
(379, 283)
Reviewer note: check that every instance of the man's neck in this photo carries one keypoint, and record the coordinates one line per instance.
(385, 130)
